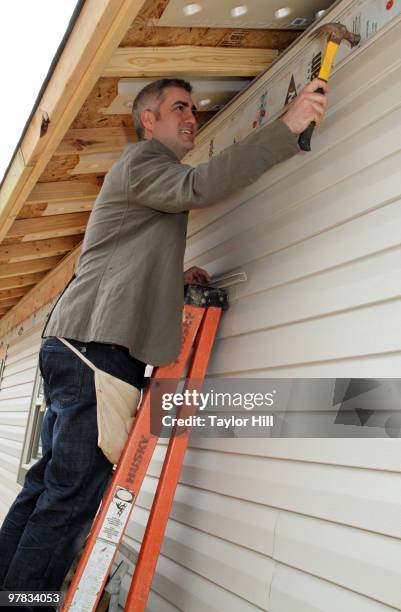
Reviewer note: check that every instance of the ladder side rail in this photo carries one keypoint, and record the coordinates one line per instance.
(164, 496)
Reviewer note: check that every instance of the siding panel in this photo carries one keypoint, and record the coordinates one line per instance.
(324, 451)
(235, 568)
(367, 499)
(242, 522)
(15, 399)
(361, 561)
(190, 592)
(295, 591)
(276, 347)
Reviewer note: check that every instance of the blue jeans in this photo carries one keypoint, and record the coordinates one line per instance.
(49, 520)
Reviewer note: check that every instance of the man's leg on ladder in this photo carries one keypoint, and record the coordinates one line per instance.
(50, 518)
(73, 480)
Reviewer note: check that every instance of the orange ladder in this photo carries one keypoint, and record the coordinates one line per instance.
(202, 311)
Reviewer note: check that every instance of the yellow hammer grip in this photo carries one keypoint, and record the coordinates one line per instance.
(328, 60)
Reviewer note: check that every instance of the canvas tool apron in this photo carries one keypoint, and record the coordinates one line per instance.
(117, 402)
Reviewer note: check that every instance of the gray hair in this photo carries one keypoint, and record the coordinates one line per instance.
(150, 98)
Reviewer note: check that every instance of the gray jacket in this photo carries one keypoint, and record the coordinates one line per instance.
(128, 288)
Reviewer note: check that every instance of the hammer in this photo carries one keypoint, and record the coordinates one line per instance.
(336, 33)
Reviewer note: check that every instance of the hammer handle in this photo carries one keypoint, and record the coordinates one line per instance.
(305, 138)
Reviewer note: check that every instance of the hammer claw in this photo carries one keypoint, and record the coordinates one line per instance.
(337, 32)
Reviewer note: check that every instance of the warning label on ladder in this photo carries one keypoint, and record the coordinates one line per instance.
(110, 533)
(117, 515)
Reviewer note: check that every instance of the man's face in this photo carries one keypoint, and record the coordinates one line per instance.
(175, 125)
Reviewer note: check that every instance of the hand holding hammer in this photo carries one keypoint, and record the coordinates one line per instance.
(308, 108)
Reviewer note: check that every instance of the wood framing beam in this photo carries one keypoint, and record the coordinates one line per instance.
(165, 36)
(188, 61)
(48, 288)
(93, 40)
(95, 162)
(11, 294)
(49, 227)
(96, 140)
(5, 304)
(62, 191)
(30, 211)
(28, 267)
(21, 281)
(38, 249)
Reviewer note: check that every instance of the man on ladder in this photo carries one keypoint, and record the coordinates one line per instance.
(122, 310)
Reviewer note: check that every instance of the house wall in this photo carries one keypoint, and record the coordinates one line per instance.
(22, 348)
(299, 525)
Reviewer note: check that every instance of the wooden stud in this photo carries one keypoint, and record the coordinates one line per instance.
(21, 281)
(96, 162)
(8, 303)
(49, 227)
(62, 191)
(31, 211)
(28, 267)
(38, 248)
(95, 140)
(96, 34)
(10, 294)
(188, 61)
(166, 36)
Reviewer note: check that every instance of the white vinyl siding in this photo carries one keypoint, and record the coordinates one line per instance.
(15, 400)
(299, 525)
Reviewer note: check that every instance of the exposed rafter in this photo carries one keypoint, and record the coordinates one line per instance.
(28, 267)
(5, 304)
(62, 191)
(95, 162)
(95, 140)
(188, 61)
(37, 249)
(21, 281)
(12, 294)
(165, 36)
(48, 227)
(46, 209)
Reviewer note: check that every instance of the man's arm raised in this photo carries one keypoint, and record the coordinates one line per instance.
(173, 187)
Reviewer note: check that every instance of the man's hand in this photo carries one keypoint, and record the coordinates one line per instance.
(196, 276)
(308, 106)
